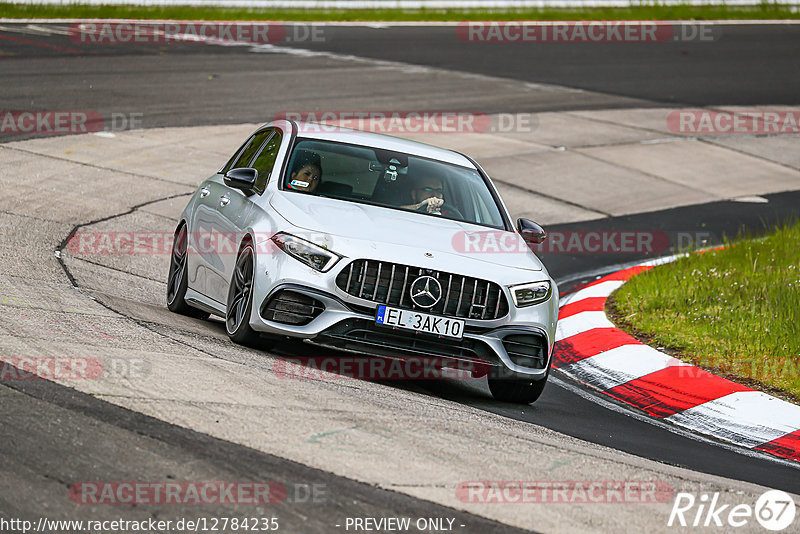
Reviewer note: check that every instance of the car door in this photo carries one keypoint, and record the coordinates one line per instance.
(217, 222)
(202, 217)
(236, 207)
(232, 208)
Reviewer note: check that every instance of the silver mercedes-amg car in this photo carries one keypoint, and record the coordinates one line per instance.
(368, 243)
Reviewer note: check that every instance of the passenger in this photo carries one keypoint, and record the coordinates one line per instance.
(306, 173)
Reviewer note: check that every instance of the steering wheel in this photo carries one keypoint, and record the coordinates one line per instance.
(453, 212)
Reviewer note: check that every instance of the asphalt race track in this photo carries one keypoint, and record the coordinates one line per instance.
(727, 69)
(179, 85)
(53, 434)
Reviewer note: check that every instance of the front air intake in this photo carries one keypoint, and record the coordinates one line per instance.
(291, 307)
(526, 350)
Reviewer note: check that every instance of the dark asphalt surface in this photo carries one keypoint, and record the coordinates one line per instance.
(185, 84)
(172, 85)
(54, 437)
(739, 64)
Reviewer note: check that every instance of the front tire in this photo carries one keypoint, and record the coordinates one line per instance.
(178, 278)
(518, 391)
(240, 301)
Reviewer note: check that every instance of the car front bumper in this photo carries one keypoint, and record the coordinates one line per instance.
(351, 327)
(348, 323)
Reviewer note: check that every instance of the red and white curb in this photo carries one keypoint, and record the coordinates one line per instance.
(591, 350)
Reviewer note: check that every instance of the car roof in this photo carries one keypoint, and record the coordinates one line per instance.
(311, 130)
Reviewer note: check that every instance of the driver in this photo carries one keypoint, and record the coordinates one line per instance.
(306, 173)
(427, 195)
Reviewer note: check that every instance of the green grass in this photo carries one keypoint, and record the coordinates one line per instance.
(764, 10)
(735, 312)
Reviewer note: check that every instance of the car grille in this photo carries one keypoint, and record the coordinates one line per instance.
(389, 283)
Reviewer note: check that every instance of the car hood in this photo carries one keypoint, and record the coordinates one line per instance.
(362, 222)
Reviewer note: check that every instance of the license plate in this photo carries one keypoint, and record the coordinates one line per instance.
(420, 322)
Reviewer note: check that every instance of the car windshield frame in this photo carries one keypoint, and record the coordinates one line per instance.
(296, 140)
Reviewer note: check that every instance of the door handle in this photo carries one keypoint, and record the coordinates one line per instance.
(204, 192)
(223, 200)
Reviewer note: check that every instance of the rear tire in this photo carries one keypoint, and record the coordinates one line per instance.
(240, 302)
(518, 391)
(178, 278)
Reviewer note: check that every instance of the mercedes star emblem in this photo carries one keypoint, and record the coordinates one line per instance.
(426, 291)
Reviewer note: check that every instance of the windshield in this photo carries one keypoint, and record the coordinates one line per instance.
(391, 179)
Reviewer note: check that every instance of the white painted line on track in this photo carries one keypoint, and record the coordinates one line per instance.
(582, 322)
(626, 411)
(620, 365)
(603, 289)
(747, 418)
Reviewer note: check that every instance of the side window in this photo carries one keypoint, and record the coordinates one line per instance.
(266, 161)
(228, 166)
(246, 156)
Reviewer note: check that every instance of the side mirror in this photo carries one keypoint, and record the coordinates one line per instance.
(243, 178)
(531, 232)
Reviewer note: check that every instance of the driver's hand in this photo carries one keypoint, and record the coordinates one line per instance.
(432, 204)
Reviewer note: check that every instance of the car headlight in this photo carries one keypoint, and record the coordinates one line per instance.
(312, 255)
(530, 294)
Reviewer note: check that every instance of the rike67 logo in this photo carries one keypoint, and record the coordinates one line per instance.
(774, 510)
